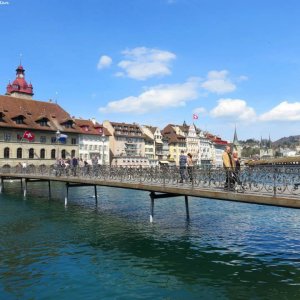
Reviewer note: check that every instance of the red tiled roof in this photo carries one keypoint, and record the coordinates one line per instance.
(32, 110)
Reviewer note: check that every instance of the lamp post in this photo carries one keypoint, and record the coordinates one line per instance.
(103, 140)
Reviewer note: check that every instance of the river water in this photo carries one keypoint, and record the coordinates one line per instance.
(111, 251)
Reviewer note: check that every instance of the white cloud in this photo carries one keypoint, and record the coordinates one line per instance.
(155, 98)
(218, 82)
(234, 109)
(142, 63)
(104, 62)
(284, 111)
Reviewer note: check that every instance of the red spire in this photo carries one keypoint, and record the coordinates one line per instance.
(19, 85)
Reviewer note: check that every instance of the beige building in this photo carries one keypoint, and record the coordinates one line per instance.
(176, 141)
(126, 144)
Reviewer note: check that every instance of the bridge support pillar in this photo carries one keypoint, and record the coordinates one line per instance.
(1, 185)
(66, 194)
(186, 199)
(49, 189)
(96, 196)
(152, 196)
(25, 188)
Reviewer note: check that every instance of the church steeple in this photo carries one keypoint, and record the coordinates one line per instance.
(235, 138)
(19, 88)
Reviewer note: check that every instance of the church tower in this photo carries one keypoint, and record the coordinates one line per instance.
(236, 144)
(19, 88)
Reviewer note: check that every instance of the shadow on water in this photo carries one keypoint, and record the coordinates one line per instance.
(200, 255)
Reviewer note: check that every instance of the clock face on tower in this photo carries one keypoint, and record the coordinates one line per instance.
(21, 75)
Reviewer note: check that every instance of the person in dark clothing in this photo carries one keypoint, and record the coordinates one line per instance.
(182, 166)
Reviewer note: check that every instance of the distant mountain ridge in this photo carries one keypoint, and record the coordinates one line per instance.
(292, 140)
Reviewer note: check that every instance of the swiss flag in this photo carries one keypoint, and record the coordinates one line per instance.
(195, 116)
(28, 136)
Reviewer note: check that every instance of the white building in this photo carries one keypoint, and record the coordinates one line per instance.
(205, 156)
(93, 142)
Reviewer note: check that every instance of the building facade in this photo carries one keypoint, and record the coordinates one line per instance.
(30, 130)
(93, 142)
(126, 144)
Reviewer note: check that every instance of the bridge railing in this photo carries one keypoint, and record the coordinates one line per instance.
(260, 179)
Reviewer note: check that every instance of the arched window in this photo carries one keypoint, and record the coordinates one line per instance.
(6, 152)
(42, 154)
(73, 152)
(63, 154)
(19, 153)
(53, 154)
(31, 153)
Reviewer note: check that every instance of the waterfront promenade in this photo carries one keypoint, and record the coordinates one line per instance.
(278, 186)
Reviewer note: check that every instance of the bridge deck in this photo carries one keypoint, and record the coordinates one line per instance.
(264, 198)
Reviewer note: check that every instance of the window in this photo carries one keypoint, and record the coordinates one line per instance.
(73, 141)
(42, 154)
(53, 140)
(6, 152)
(44, 122)
(43, 139)
(7, 136)
(31, 153)
(68, 124)
(73, 153)
(63, 153)
(19, 153)
(19, 120)
(53, 154)
(19, 136)
(1, 117)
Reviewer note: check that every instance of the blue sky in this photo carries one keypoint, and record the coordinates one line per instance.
(159, 61)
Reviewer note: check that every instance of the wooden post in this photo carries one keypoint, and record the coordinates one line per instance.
(187, 207)
(96, 198)
(152, 194)
(21, 183)
(1, 185)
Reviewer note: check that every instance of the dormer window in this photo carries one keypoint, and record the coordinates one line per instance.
(19, 119)
(2, 116)
(68, 124)
(43, 121)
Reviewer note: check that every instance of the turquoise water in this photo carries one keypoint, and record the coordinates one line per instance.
(227, 250)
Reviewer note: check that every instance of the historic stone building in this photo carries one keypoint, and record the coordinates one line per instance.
(31, 131)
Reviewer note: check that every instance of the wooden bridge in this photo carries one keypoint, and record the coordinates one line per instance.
(278, 186)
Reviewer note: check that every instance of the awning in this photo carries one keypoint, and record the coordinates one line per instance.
(163, 162)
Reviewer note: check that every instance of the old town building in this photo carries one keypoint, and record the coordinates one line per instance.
(31, 131)
(93, 142)
(127, 144)
(176, 141)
